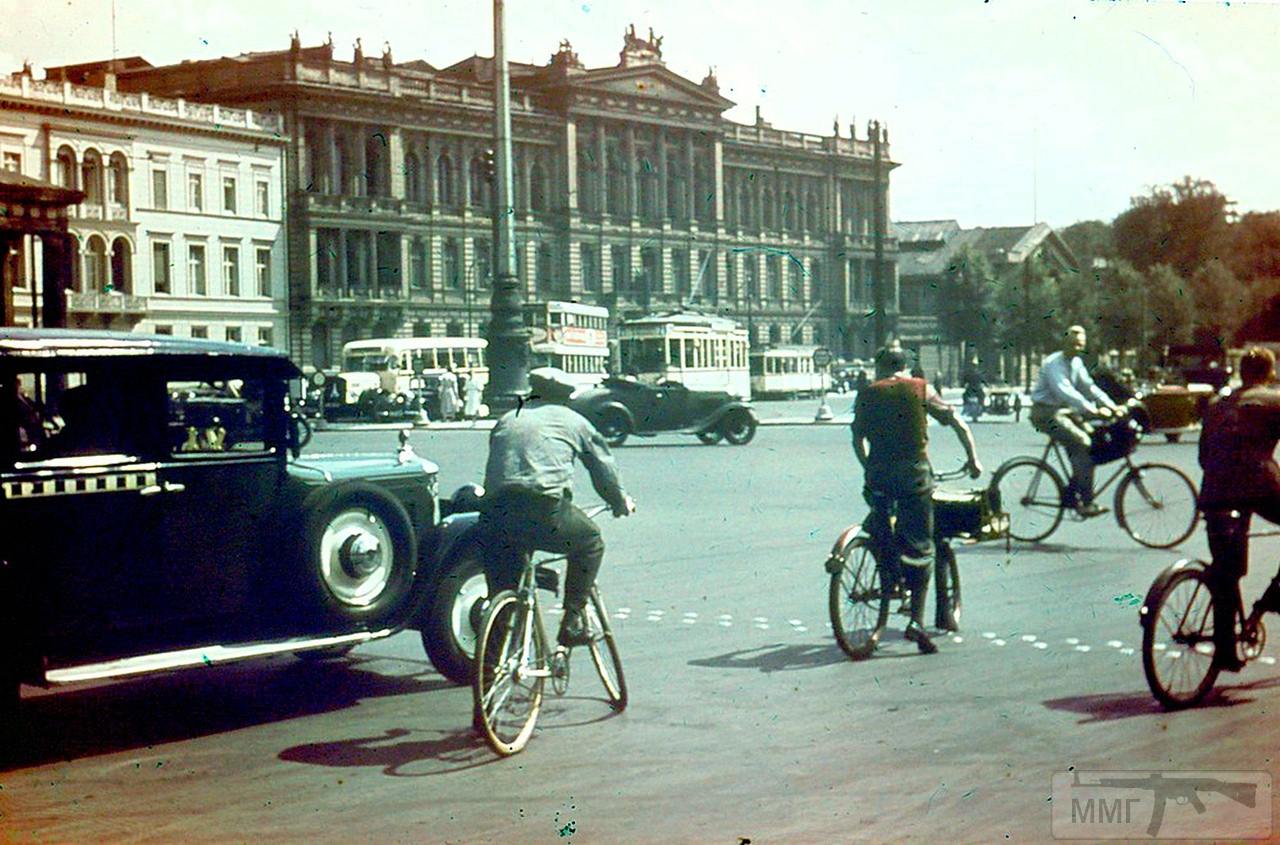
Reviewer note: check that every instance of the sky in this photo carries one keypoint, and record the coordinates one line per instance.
(999, 112)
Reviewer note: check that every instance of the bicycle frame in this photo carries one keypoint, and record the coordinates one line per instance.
(1064, 465)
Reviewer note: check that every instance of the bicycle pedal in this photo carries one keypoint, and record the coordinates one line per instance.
(547, 579)
(559, 665)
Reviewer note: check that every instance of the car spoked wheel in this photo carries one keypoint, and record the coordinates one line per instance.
(454, 616)
(356, 557)
(614, 427)
(738, 428)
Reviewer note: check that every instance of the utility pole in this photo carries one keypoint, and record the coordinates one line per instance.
(508, 338)
(877, 212)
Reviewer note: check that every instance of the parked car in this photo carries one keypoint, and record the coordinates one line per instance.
(621, 407)
(159, 513)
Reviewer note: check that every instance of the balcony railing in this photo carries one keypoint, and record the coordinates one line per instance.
(97, 302)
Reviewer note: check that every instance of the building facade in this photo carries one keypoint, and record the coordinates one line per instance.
(632, 192)
(181, 228)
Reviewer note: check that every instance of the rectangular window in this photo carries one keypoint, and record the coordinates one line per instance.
(13, 162)
(231, 270)
(229, 194)
(195, 192)
(418, 265)
(266, 337)
(207, 420)
(263, 264)
(234, 334)
(263, 199)
(621, 274)
(200, 331)
(160, 189)
(164, 330)
(196, 279)
(590, 268)
(161, 268)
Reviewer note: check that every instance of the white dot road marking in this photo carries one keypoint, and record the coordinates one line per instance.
(957, 639)
(726, 616)
(990, 635)
(621, 615)
(800, 629)
(624, 610)
(1159, 646)
(1126, 651)
(763, 626)
(1028, 638)
(726, 623)
(1114, 643)
(688, 621)
(1072, 641)
(692, 614)
(1083, 648)
(1269, 660)
(1041, 645)
(795, 622)
(1173, 655)
(657, 612)
(759, 619)
(997, 641)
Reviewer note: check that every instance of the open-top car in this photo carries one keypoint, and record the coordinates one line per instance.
(158, 513)
(621, 407)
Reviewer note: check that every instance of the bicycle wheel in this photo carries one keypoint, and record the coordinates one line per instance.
(859, 609)
(1031, 493)
(608, 661)
(947, 600)
(1156, 505)
(511, 668)
(1177, 637)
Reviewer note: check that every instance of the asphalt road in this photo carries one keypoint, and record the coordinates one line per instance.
(745, 722)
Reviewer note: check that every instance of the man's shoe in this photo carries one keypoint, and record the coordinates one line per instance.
(917, 635)
(573, 630)
(1090, 510)
(1228, 658)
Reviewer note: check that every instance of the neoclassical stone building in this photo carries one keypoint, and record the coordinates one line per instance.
(632, 191)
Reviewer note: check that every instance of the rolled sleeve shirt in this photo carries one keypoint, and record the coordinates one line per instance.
(533, 448)
(1065, 383)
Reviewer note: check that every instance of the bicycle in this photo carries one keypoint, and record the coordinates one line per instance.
(1155, 503)
(858, 600)
(1179, 657)
(513, 662)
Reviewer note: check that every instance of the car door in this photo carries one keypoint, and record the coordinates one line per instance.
(218, 498)
(671, 406)
(80, 531)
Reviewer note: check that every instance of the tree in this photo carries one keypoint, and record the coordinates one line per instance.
(1028, 302)
(1183, 226)
(1170, 307)
(966, 312)
(1121, 318)
(1255, 252)
(1089, 239)
(1221, 300)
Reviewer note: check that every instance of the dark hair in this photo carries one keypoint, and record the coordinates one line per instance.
(890, 360)
(1257, 365)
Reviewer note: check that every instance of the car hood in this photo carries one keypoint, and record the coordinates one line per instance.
(329, 467)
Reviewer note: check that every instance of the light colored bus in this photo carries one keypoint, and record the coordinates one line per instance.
(787, 371)
(398, 364)
(701, 351)
(569, 335)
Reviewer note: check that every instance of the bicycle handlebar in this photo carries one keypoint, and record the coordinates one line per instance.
(593, 512)
(952, 474)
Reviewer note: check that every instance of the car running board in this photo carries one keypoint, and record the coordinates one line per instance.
(203, 656)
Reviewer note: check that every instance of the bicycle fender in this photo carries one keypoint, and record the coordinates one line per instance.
(845, 537)
(1161, 582)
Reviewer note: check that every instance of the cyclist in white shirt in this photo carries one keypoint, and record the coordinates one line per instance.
(1064, 396)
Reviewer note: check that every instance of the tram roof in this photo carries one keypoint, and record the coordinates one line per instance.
(683, 318)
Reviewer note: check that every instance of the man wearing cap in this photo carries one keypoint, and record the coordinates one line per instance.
(890, 440)
(1063, 397)
(529, 493)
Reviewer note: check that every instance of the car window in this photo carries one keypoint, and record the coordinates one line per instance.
(56, 416)
(217, 417)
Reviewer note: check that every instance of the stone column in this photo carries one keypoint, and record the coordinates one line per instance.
(395, 161)
(464, 172)
(371, 262)
(632, 189)
(691, 170)
(569, 165)
(330, 184)
(313, 259)
(602, 168)
(361, 181)
(343, 286)
(661, 196)
(428, 156)
(717, 176)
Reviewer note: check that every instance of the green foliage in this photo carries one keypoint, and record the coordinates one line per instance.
(1255, 252)
(1183, 226)
(965, 300)
(1170, 307)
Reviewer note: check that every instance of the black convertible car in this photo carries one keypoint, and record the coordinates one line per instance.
(622, 407)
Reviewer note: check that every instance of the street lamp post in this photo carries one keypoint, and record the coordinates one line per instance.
(508, 338)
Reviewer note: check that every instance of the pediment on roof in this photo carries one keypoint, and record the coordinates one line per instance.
(650, 82)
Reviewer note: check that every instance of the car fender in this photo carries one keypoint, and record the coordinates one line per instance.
(712, 421)
(604, 407)
(455, 533)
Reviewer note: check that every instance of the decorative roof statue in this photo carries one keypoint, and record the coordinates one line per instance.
(710, 82)
(637, 50)
(359, 53)
(386, 55)
(295, 42)
(565, 58)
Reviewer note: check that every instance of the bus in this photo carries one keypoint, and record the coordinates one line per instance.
(571, 336)
(701, 351)
(408, 366)
(787, 371)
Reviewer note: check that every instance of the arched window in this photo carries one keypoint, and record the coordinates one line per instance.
(647, 187)
(95, 264)
(65, 171)
(789, 212)
(767, 215)
(422, 328)
(350, 332)
(617, 188)
(77, 270)
(546, 267)
(704, 193)
(91, 177)
(479, 185)
(677, 183)
(345, 166)
(588, 181)
(118, 181)
(454, 328)
(813, 210)
(121, 266)
(375, 164)
(451, 264)
(815, 279)
(386, 327)
(445, 193)
(773, 267)
(321, 353)
(745, 218)
(412, 178)
(537, 187)
(775, 333)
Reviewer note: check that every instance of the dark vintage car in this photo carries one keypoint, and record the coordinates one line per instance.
(158, 513)
(622, 407)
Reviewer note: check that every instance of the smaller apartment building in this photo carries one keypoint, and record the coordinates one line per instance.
(180, 231)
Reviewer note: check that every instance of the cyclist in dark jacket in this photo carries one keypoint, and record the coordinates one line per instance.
(1237, 454)
(890, 439)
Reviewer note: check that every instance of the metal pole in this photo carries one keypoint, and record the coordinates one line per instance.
(508, 338)
(877, 206)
